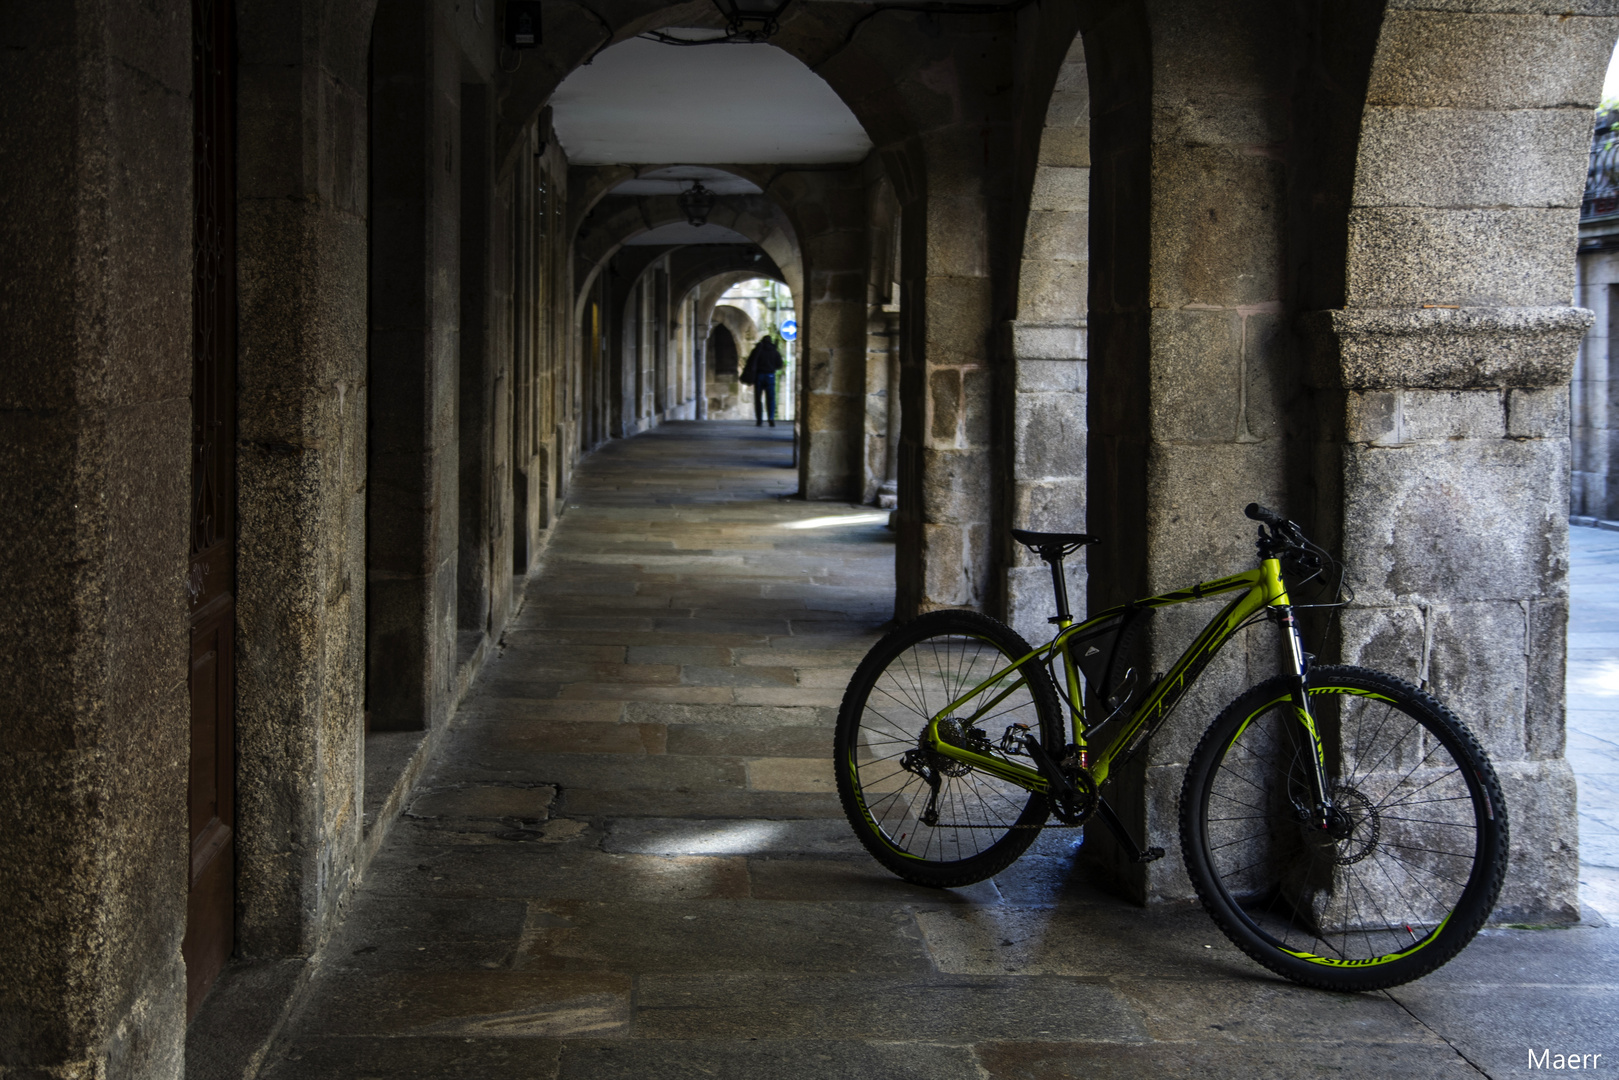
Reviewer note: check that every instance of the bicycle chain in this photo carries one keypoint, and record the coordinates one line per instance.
(1008, 828)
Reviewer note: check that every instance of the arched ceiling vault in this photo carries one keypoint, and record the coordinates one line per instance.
(864, 65)
(619, 218)
(642, 102)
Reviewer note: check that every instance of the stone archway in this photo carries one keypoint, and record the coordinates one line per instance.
(1045, 343)
(609, 266)
(1446, 359)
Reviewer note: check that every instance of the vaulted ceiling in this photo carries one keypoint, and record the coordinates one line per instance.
(642, 102)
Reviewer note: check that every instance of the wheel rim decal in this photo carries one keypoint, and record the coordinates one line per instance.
(1241, 912)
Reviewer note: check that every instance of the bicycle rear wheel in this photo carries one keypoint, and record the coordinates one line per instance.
(1413, 855)
(976, 824)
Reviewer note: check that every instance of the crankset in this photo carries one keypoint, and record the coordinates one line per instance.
(1070, 784)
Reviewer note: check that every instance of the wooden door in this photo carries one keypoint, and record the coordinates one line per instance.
(211, 900)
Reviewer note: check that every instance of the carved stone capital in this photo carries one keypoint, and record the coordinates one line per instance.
(1446, 348)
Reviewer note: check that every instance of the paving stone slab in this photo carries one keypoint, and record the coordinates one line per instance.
(1497, 1026)
(678, 655)
(770, 805)
(854, 879)
(940, 1008)
(681, 836)
(729, 715)
(720, 936)
(765, 1058)
(749, 740)
(535, 871)
(470, 1004)
(1251, 1005)
(1193, 1061)
(375, 920)
(567, 671)
(527, 802)
(574, 737)
(807, 774)
(488, 709)
(1556, 956)
(351, 1058)
(1099, 940)
(699, 675)
(485, 764)
(635, 691)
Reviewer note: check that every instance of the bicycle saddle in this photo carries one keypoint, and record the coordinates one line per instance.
(1039, 540)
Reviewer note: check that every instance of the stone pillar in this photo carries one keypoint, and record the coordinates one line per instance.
(1045, 349)
(829, 211)
(943, 554)
(1594, 427)
(1190, 363)
(415, 297)
(476, 371)
(530, 378)
(303, 392)
(1453, 352)
(95, 486)
(874, 441)
(1047, 464)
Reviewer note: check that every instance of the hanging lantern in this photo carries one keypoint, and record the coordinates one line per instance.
(696, 202)
(751, 20)
(523, 24)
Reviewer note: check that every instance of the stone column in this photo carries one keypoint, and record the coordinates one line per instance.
(95, 487)
(1453, 353)
(943, 554)
(477, 371)
(1047, 464)
(1594, 427)
(415, 300)
(829, 212)
(303, 392)
(1045, 350)
(1190, 361)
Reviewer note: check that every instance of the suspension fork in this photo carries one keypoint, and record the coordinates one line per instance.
(1299, 668)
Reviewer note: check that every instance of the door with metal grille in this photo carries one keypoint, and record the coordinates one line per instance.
(211, 899)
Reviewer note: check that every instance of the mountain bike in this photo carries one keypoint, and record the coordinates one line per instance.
(1341, 826)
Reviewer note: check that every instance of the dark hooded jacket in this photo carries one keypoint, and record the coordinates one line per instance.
(765, 359)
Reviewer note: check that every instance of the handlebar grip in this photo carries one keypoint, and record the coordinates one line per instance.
(1256, 512)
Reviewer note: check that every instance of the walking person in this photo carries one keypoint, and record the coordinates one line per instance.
(763, 363)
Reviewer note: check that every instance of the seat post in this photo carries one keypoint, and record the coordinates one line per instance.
(1052, 553)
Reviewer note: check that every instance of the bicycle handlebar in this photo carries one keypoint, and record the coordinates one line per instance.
(1285, 540)
(1256, 512)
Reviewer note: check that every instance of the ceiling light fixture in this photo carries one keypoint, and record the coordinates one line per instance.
(696, 202)
(751, 20)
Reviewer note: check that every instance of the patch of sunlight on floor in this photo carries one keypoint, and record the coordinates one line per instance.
(839, 519)
(1601, 682)
(735, 838)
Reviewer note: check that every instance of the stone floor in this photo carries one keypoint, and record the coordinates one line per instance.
(1593, 709)
(630, 862)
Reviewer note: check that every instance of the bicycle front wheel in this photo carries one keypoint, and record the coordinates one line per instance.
(1414, 850)
(928, 818)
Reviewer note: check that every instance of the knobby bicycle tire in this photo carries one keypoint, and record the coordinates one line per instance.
(983, 823)
(1412, 861)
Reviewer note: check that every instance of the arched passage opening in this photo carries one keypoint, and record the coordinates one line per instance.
(731, 109)
(1286, 300)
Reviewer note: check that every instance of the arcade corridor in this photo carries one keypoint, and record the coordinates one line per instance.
(629, 863)
(362, 507)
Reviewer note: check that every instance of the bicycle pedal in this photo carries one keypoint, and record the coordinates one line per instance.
(1152, 854)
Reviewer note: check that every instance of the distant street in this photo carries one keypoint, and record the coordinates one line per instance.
(1593, 709)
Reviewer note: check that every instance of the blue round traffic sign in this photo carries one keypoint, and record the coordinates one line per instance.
(789, 329)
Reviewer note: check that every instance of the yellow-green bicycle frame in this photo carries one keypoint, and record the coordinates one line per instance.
(1261, 588)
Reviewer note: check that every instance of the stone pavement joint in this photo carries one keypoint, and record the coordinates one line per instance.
(629, 860)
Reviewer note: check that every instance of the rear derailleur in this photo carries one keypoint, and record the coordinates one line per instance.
(933, 767)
